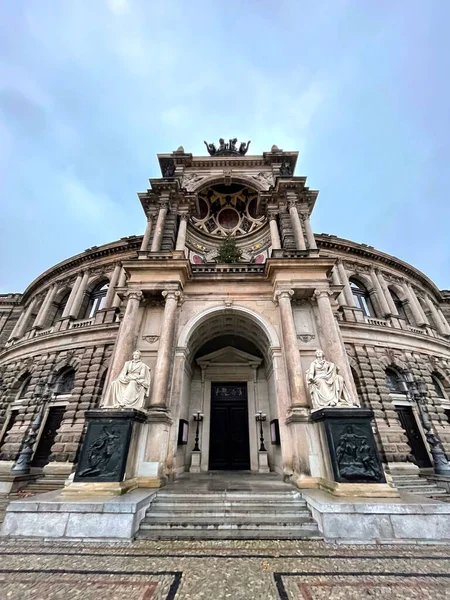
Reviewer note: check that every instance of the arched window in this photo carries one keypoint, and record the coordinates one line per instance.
(439, 388)
(96, 299)
(60, 306)
(64, 381)
(22, 386)
(395, 382)
(362, 298)
(399, 306)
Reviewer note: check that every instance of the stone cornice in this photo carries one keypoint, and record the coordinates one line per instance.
(61, 340)
(124, 246)
(331, 242)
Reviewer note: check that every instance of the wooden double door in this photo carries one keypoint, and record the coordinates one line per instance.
(229, 430)
(415, 439)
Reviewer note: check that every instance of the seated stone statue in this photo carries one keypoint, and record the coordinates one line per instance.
(131, 387)
(326, 386)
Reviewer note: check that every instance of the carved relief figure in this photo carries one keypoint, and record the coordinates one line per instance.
(101, 453)
(355, 457)
(326, 386)
(132, 385)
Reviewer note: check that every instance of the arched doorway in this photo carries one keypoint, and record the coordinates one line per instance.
(229, 374)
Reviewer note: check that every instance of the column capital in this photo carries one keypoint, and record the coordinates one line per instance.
(304, 215)
(134, 295)
(171, 295)
(164, 203)
(184, 215)
(282, 294)
(272, 215)
(322, 294)
(292, 202)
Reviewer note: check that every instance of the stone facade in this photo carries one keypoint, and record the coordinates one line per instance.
(197, 322)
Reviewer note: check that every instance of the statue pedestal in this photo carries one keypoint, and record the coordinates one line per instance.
(263, 462)
(196, 458)
(107, 463)
(352, 464)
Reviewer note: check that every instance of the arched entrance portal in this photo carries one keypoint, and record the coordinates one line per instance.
(228, 374)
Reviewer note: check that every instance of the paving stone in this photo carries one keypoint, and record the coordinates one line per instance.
(232, 569)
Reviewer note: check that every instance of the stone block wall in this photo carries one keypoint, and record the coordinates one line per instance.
(369, 363)
(90, 365)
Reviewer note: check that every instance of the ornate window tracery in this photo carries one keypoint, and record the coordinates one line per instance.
(228, 210)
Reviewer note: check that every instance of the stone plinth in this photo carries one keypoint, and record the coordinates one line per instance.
(359, 520)
(351, 444)
(196, 458)
(106, 464)
(53, 516)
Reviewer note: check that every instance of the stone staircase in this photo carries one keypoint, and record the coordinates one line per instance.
(256, 508)
(43, 484)
(415, 484)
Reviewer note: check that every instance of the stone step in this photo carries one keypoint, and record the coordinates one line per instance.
(219, 518)
(224, 505)
(230, 497)
(231, 531)
(418, 486)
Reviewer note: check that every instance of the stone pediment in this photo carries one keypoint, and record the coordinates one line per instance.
(227, 356)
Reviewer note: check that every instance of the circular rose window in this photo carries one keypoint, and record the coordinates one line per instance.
(228, 209)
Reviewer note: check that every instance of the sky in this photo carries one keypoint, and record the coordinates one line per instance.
(92, 90)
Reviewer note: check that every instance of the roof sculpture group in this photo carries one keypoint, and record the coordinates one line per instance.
(229, 149)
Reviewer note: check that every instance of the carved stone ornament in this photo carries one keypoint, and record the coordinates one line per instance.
(265, 179)
(191, 180)
(151, 339)
(306, 337)
(326, 386)
(131, 387)
(227, 149)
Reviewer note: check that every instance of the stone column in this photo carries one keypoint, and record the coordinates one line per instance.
(416, 309)
(336, 281)
(23, 325)
(159, 228)
(296, 224)
(348, 294)
(380, 294)
(41, 318)
(71, 298)
(75, 308)
(387, 294)
(17, 326)
(112, 286)
(290, 347)
(444, 322)
(120, 284)
(181, 237)
(334, 350)
(437, 317)
(147, 234)
(274, 233)
(126, 338)
(162, 367)
(309, 232)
